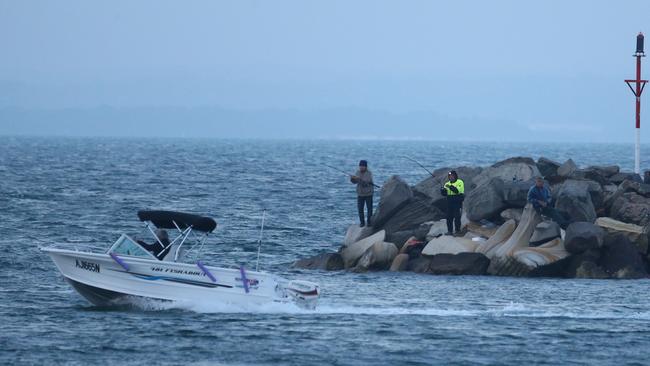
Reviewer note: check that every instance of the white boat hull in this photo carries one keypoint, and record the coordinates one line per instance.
(105, 282)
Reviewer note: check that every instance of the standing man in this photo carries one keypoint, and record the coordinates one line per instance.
(540, 197)
(365, 190)
(454, 190)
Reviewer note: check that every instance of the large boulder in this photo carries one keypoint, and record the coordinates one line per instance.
(485, 201)
(419, 264)
(410, 216)
(618, 178)
(632, 208)
(395, 194)
(356, 233)
(621, 259)
(449, 245)
(323, 261)
(515, 193)
(503, 233)
(567, 169)
(400, 237)
(547, 167)
(438, 228)
(544, 232)
(606, 170)
(400, 263)
(574, 198)
(511, 214)
(590, 174)
(353, 252)
(459, 264)
(430, 187)
(512, 169)
(377, 258)
(590, 270)
(646, 177)
(583, 236)
(638, 235)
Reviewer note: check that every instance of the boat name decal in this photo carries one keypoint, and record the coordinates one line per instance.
(177, 271)
(88, 266)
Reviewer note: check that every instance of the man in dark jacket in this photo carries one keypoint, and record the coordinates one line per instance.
(161, 247)
(540, 197)
(454, 190)
(365, 189)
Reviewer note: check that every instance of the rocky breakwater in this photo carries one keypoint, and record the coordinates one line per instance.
(502, 235)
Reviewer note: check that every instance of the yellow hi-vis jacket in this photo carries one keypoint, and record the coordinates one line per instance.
(460, 186)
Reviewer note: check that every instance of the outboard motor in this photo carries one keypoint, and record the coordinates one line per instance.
(304, 293)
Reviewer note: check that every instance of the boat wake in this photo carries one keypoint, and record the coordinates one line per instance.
(515, 310)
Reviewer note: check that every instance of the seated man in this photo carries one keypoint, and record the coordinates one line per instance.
(540, 197)
(158, 250)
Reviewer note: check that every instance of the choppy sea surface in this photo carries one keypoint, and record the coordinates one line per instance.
(86, 191)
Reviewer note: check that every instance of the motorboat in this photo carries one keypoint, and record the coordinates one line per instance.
(132, 269)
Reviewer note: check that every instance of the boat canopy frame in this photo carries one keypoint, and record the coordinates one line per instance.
(184, 223)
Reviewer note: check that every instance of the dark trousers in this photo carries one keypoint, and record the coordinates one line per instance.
(454, 208)
(364, 201)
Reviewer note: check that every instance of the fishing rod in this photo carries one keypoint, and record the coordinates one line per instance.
(418, 163)
(346, 173)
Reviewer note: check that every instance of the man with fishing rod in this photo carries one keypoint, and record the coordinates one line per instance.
(454, 190)
(365, 190)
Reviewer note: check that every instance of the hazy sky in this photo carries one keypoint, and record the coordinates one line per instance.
(546, 66)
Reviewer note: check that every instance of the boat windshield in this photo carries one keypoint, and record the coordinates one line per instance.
(126, 246)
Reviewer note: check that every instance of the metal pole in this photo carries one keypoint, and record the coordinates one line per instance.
(637, 148)
(637, 90)
(259, 243)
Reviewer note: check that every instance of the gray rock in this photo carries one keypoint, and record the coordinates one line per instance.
(583, 236)
(437, 229)
(395, 194)
(512, 214)
(459, 264)
(544, 232)
(620, 258)
(620, 177)
(517, 169)
(515, 160)
(356, 233)
(419, 265)
(486, 201)
(590, 174)
(638, 235)
(378, 257)
(631, 208)
(410, 216)
(606, 170)
(590, 270)
(566, 169)
(515, 194)
(400, 237)
(646, 177)
(574, 198)
(547, 167)
(323, 261)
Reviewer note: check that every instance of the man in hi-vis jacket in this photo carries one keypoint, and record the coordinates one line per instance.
(454, 190)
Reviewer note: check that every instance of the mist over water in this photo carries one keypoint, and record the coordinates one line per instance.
(80, 191)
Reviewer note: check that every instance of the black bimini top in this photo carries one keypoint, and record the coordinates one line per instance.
(166, 220)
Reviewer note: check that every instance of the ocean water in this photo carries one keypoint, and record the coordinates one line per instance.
(86, 191)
